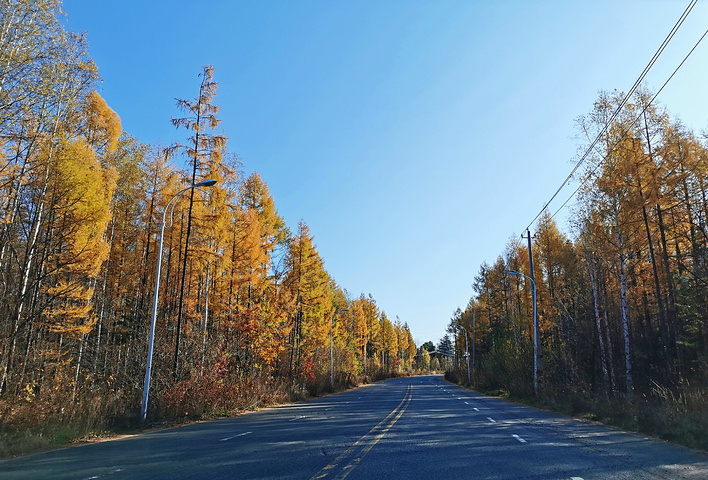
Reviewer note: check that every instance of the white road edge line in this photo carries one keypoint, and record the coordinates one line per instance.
(519, 438)
(230, 438)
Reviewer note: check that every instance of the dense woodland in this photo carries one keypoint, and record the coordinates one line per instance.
(246, 306)
(623, 300)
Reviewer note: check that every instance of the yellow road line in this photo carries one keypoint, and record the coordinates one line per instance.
(362, 446)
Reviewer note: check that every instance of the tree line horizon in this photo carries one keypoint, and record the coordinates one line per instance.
(246, 306)
(623, 298)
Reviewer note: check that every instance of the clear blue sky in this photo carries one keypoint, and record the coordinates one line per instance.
(415, 138)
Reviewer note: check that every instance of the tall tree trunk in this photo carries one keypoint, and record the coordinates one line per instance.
(206, 319)
(657, 285)
(598, 324)
(78, 366)
(103, 297)
(146, 253)
(26, 268)
(195, 168)
(629, 384)
(672, 315)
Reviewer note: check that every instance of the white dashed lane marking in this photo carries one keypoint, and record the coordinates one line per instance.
(230, 438)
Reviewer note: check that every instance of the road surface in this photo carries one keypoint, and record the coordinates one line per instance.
(407, 428)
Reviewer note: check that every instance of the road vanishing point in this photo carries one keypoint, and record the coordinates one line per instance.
(406, 428)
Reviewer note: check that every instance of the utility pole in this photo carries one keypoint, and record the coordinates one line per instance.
(467, 355)
(474, 342)
(536, 335)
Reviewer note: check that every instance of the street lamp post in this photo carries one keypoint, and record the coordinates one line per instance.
(148, 369)
(467, 353)
(331, 345)
(535, 330)
(474, 345)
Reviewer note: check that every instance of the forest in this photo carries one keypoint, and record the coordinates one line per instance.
(622, 300)
(247, 314)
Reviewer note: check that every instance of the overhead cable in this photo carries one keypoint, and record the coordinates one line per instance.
(626, 132)
(621, 105)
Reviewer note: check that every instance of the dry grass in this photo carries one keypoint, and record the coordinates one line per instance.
(29, 425)
(679, 416)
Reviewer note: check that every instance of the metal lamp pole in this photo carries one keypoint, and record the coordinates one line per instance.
(146, 389)
(467, 353)
(331, 345)
(535, 331)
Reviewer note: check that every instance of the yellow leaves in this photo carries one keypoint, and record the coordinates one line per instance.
(269, 343)
(81, 192)
(361, 330)
(308, 281)
(70, 310)
(255, 196)
(28, 392)
(250, 255)
(103, 125)
(425, 359)
(81, 200)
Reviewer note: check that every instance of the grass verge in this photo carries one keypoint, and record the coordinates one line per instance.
(680, 418)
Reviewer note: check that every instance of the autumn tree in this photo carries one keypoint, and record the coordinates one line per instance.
(308, 283)
(372, 341)
(619, 299)
(245, 307)
(360, 330)
(40, 106)
(203, 148)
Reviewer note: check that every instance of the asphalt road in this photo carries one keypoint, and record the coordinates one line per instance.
(408, 428)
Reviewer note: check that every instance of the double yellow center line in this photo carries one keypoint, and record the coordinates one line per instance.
(353, 455)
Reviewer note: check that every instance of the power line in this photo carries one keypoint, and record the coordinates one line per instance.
(626, 132)
(639, 80)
